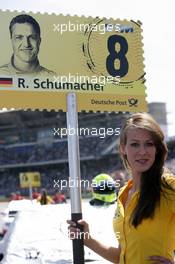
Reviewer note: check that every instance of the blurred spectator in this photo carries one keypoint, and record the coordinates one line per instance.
(35, 194)
(44, 198)
(16, 196)
(59, 197)
(13, 196)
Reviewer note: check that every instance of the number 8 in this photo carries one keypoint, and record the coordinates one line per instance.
(113, 55)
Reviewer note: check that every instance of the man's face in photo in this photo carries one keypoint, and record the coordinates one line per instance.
(25, 42)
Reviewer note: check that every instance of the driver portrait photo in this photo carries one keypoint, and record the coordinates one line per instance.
(25, 35)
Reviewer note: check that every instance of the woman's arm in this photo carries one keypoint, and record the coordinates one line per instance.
(109, 253)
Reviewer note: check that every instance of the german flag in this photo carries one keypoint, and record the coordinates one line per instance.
(6, 82)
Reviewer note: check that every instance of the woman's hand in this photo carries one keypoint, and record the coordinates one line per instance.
(110, 253)
(160, 260)
(74, 232)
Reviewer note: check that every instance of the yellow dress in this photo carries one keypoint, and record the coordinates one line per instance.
(153, 236)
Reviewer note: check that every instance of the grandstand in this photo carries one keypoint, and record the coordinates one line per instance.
(29, 142)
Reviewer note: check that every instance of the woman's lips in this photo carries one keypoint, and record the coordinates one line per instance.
(142, 161)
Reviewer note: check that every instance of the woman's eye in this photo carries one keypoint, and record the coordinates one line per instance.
(134, 144)
(150, 144)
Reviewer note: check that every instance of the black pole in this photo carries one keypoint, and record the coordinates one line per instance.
(78, 243)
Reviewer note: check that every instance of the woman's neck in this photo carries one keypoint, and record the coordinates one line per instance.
(136, 181)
